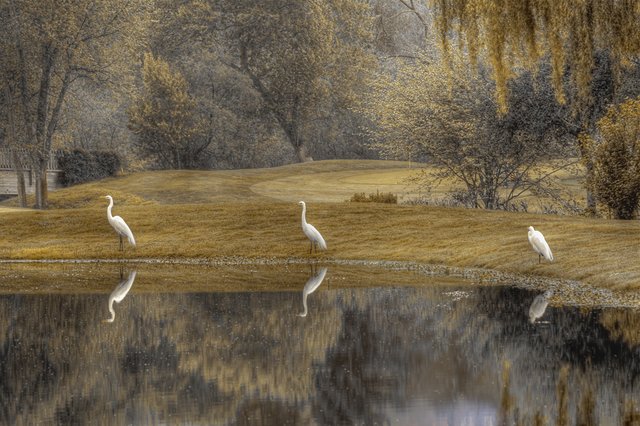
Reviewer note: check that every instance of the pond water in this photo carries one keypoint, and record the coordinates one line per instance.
(290, 345)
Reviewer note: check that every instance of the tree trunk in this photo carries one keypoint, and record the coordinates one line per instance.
(588, 162)
(44, 189)
(42, 192)
(290, 124)
(303, 155)
(13, 143)
(17, 163)
(38, 192)
(45, 131)
(591, 197)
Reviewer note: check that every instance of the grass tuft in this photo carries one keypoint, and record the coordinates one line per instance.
(360, 197)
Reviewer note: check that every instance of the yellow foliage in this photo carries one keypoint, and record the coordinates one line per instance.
(622, 325)
(163, 116)
(616, 158)
(570, 31)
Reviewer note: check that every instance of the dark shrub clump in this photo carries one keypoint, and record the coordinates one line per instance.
(79, 165)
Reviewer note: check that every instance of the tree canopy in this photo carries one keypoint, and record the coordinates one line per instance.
(243, 83)
(301, 57)
(46, 47)
(164, 119)
(516, 32)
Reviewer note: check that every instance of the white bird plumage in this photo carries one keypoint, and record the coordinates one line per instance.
(312, 284)
(119, 293)
(311, 232)
(539, 305)
(119, 225)
(539, 244)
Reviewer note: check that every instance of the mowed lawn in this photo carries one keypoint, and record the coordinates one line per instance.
(254, 214)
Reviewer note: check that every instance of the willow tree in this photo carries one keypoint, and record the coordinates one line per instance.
(516, 32)
(49, 45)
(572, 35)
(303, 58)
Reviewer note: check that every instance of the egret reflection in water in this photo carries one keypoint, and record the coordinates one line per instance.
(312, 284)
(539, 305)
(119, 293)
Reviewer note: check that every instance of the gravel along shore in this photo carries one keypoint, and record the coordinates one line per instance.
(565, 292)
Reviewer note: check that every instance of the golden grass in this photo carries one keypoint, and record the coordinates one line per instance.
(218, 214)
(76, 278)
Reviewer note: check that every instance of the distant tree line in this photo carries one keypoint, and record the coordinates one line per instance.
(496, 97)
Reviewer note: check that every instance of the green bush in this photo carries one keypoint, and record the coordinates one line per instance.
(79, 165)
(361, 197)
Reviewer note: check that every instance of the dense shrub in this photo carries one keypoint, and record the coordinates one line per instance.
(79, 165)
(615, 151)
(361, 197)
(107, 163)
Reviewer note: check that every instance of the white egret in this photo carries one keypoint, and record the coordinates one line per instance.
(539, 244)
(311, 232)
(119, 293)
(120, 226)
(539, 305)
(312, 284)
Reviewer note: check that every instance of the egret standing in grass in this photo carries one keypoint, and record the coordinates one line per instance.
(311, 232)
(539, 244)
(120, 226)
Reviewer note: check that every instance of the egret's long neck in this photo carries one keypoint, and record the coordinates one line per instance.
(304, 303)
(109, 215)
(304, 211)
(113, 312)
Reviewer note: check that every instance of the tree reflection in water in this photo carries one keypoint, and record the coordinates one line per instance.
(433, 354)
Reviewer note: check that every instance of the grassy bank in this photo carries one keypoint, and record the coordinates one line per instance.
(252, 213)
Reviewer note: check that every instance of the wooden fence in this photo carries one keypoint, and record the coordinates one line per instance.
(9, 176)
(6, 159)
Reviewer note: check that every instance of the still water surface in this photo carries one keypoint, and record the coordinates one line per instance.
(330, 346)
